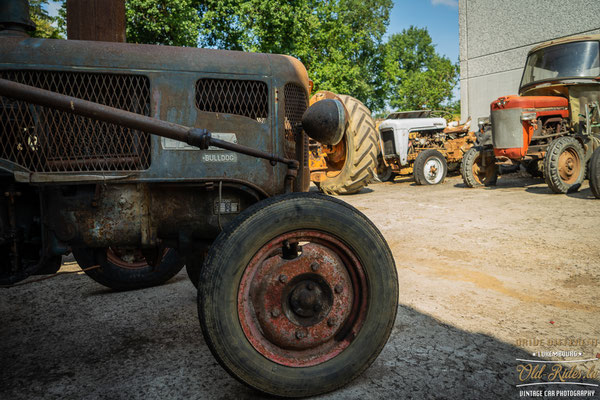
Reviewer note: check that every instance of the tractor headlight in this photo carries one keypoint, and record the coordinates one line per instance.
(528, 116)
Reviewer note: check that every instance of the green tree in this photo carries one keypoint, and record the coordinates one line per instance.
(337, 40)
(414, 75)
(43, 21)
(170, 22)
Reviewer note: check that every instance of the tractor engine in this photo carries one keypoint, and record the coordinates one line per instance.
(525, 125)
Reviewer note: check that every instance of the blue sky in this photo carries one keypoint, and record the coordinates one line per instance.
(440, 17)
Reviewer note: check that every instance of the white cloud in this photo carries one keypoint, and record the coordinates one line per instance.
(449, 3)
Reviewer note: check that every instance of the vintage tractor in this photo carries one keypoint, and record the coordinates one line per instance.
(421, 144)
(139, 158)
(551, 127)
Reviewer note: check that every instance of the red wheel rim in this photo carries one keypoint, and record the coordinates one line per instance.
(306, 310)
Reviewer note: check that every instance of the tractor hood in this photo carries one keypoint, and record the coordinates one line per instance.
(79, 54)
(414, 124)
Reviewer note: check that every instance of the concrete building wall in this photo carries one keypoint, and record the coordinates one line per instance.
(495, 37)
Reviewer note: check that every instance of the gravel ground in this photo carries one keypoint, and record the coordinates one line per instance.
(484, 273)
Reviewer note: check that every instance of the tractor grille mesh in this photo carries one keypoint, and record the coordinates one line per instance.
(47, 140)
(247, 98)
(388, 142)
(295, 105)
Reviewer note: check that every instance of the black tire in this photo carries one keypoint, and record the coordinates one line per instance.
(116, 277)
(535, 168)
(595, 173)
(361, 151)
(430, 168)
(193, 272)
(232, 257)
(384, 172)
(564, 165)
(478, 168)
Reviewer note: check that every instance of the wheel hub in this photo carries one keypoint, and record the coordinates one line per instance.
(433, 170)
(568, 166)
(305, 310)
(310, 300)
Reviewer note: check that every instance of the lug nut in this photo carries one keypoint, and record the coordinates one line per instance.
(338, 288)
(331, 322)
(300, 335)
(283, 278)
(275, 313)
(314, 266)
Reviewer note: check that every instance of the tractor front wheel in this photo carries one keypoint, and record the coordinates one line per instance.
(564, 166)
(298, 295)
(430, 168)
(478, 167)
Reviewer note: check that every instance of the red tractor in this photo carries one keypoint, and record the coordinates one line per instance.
(552, 126)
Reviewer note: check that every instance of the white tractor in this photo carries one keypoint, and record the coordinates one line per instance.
(422, 144)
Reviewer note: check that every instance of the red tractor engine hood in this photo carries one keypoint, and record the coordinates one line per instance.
(531, 103)
(514, 119)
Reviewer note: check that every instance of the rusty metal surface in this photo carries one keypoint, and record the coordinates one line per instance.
(569, 166)
(304, 309)
(60, 54)
(102, 20)
(43, 139)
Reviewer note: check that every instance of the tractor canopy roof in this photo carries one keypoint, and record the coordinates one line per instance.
(569, 39)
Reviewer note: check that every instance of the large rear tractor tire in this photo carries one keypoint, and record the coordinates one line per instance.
(564, 165)
(595, 173)
(478, 167)
(298, 295)
(430, 168)
(361, 151)
(119, 271)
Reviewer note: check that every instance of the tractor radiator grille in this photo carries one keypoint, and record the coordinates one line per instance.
(389, 147)
(46, 140)
(227, 96)
(296, 103)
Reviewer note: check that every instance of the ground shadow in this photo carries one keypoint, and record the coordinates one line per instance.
(58, 341)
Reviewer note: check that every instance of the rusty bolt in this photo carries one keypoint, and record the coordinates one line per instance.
(283, 278)
(275, 313)
(338, 288)
(314, 266)
(300, 335)
(310, 286)
(331, 322)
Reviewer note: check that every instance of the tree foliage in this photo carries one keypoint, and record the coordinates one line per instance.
(170, 22)
(417, 77)
(337, 40)
(43, 21)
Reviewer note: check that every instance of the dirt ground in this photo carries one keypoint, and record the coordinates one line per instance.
(487, 276)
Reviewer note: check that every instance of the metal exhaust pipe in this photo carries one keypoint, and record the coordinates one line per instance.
(14, 17)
